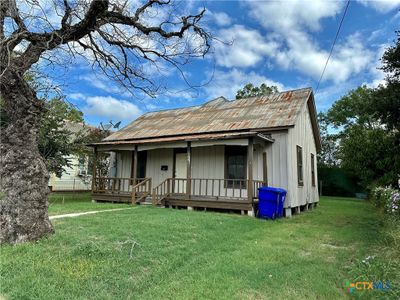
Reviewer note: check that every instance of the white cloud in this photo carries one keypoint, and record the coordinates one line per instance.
(220, 18)
(292, 14)
(96, 82)
(325, 96)
(228, 83)
(111, 108)
(76, 96)
(378, 76)
(382, 6)
(291, 23)
(348, 58)
(249, 47)
(103, 83)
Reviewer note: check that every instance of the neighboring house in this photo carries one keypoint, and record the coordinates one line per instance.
(216, 155)
(74, 178)
(77, 176)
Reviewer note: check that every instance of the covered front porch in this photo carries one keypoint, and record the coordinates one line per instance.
(223, 173)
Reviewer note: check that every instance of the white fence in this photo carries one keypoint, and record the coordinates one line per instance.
(76, 184)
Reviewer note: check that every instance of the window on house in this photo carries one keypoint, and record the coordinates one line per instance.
(235, 164)
(82, 164)
(299, 151)
(312, 170)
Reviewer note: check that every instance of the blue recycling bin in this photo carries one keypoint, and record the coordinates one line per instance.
(270, 202)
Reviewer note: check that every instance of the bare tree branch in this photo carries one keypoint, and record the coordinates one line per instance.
(117, 40)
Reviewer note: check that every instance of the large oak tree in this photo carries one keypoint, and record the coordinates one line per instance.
(121, 40)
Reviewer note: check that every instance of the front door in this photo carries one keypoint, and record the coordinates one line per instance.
(180, 172)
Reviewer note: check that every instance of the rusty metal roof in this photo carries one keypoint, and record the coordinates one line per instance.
(218, 115)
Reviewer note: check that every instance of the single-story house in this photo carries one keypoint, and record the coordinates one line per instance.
(217, 155)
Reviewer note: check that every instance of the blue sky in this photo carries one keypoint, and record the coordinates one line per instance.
(284, 43)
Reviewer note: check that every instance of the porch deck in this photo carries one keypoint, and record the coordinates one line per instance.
(235, 194)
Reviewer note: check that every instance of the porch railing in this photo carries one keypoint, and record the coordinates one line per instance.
(161, 191)
(141, 190)
(115, 185)
(212, 189)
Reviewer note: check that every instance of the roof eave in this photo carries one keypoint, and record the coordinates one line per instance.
(192, 137)
(314, 121)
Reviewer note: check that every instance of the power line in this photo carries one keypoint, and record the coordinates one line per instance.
(333, 45)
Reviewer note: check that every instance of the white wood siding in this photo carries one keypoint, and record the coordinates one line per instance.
(70, 179)
(155, 159)
(258, 161)
(124, 162)
(302, 135)
(209, 162)
(277, 163)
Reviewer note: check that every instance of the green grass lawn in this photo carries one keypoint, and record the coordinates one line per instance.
(155, 253)
(64, 203)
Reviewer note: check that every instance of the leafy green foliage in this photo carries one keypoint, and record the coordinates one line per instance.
(387, 105)
(387, 100)
(363, 144)
(86, 153)
(366, 128)
(56, 140)
(337, 181)
(355, 108)
(250, 90)
(327, 155)
(371, 153)
(391, 61)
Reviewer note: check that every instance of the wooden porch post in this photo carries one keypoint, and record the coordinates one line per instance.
(265, 168)
(250, 149)
(134, 171)
(189, 169)
(94, 169)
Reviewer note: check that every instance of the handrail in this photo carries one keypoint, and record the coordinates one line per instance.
(109, 177)
(208, 188)
(115, 185)
(144, 187)
(214, 188)
(161, 191)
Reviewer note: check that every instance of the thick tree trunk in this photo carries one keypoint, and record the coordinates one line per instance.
(23, 174)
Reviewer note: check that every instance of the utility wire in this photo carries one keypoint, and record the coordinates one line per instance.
(333, 45)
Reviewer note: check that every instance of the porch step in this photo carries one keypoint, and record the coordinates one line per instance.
(147, 201)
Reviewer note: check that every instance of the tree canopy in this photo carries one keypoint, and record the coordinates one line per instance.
(365, 128)
(249, 90)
